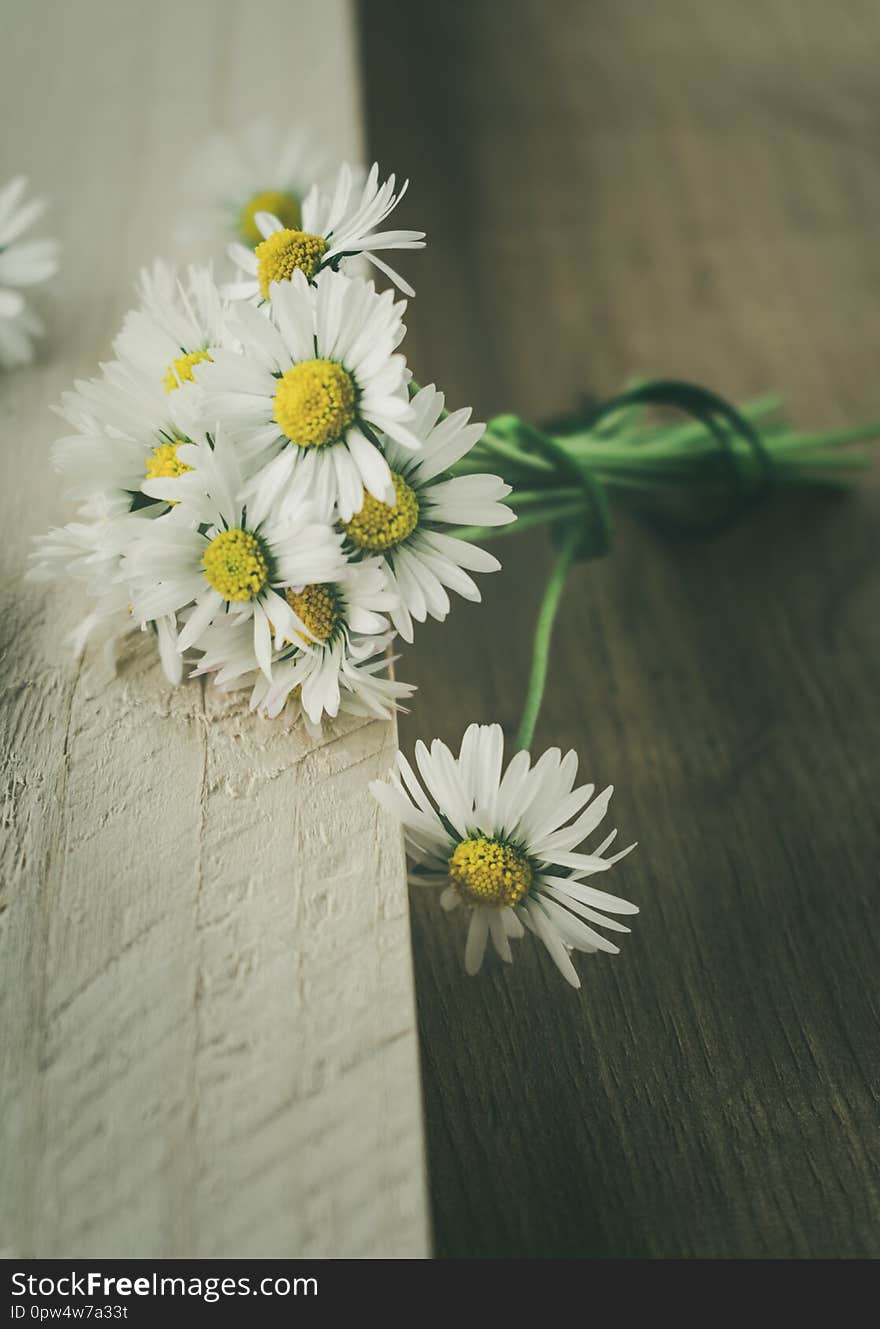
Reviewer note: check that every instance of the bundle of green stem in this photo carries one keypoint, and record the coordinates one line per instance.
(695, 474)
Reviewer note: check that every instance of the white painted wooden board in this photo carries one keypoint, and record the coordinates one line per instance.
(207, 1034)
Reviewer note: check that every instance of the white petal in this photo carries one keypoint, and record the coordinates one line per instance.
(475, 948)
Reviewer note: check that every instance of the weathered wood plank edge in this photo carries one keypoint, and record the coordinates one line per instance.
(208, 1032)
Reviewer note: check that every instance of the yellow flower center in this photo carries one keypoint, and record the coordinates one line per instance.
(285, 252)
(276, 201)
(235, 564)
(163, 462)
(487, 872)
(318, 607)
(381, 526)
(314, 403)
(181, 369)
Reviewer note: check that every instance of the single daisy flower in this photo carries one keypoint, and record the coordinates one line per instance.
(209, 556)
(505, 846)
(365, 689)
(335, 226)
(23, 263)
(179, 323)
(126, 433)
(347, 627)
(313, 388)
(424, 561)
(235, 176)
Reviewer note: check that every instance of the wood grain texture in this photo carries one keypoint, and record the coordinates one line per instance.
(687, 189)
(208, 1033)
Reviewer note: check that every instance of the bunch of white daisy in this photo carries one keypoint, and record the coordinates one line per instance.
(260, 484)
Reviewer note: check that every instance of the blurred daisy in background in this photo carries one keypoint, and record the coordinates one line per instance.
(235, 175)
(335, 226)
(423, 560)
(505, 846)
(313, 388)
(23, 263)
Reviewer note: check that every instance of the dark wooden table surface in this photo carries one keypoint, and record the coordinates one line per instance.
(690, 189)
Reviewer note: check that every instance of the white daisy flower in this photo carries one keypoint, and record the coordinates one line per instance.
(423, 560)
(313, 388)
(364, 688)
(23, 263)
(130, 421)
(209, 556)
(505, 846)
(179, 323)
(127, 432)
(234, 176)
(347, 628)
(335, 226)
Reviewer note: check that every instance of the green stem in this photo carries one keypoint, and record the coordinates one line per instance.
(543, 633)
(631, 427)
(501, 448)
(528, 498)
(653, 458)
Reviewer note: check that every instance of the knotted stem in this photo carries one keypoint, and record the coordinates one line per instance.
(560, 477)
